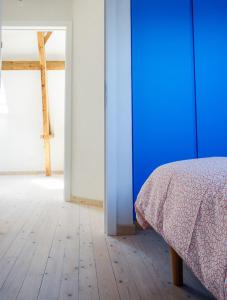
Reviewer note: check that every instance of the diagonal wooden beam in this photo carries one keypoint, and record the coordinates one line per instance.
(31, 65)
(45, 104)
(47, 36)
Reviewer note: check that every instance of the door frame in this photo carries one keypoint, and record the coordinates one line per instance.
(67, 26)
(118, 118)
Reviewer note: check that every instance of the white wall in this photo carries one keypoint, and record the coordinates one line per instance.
(33, 10)
(118, 122)
(0, 37)
(21, 121)
(88, 82)
(23, 45)
(88, 105)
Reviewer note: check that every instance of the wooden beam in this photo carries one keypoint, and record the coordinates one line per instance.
(47, 36)
(55, 65)
(45, 104)
(32, 65)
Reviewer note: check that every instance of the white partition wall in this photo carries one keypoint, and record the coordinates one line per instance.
(0, 38)
(119, 202)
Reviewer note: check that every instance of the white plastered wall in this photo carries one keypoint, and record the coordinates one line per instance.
(21, 121)
(88, 105)
(33, 10)
(0, 37)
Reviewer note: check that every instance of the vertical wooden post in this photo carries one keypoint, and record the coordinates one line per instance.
(45, 104)
(177, 268)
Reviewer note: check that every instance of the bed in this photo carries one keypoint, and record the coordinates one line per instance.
(186, 202)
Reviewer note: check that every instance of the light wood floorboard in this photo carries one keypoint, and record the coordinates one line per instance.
(51, 250)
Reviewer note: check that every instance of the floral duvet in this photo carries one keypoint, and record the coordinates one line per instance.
(186, 202)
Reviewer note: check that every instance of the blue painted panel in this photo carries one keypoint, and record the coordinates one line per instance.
(163, 85)
(210, 20)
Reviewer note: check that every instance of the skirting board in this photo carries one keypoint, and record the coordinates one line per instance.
(89, 202)
(126, 229)
(24, 173)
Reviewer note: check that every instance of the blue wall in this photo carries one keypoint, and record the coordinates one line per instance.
(164, 127)
(179, 79)
(210, 24)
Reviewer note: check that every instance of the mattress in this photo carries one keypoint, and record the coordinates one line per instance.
(186, 202)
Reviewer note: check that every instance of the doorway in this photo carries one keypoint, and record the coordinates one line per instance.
(35, 107)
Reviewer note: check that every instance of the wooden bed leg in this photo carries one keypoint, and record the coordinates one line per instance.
(177, 268)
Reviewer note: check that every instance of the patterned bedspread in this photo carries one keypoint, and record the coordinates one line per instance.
(186, 202)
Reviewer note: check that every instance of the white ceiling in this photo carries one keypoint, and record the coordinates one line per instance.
(23, 45)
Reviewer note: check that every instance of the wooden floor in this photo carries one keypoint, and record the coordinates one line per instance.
(54, 250)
